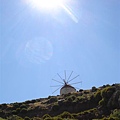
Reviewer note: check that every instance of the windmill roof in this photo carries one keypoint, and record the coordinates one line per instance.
(66, 85)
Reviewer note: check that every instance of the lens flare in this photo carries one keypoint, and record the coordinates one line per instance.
(53, 6)
(46, 4)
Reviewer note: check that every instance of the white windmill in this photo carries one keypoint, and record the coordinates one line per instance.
(66, 85)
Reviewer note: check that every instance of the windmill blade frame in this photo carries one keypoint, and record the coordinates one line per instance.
(75, 83)
(56, 90)
(65, 75)
(65, 87)
(57, 81)
(69, 76)
(59, 76)
(73, 78)
(57, 86)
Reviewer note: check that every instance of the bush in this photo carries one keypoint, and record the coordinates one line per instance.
(36, 118)
(94, 89)
(0, 106)
(14, 117)
(1, 118)
(33, 101)
(4, 106)
(114, 101)
(27, 102)
(55, 107)
(80, 98)
(2, 113)
(17, 110)
(66, 115)
(86, 92)
(14, 112)
(107, 92)
(60, 102)
(16, 105)
(57, 118)
(23, 106)
(46, 116)
(80, 90)
(97, 96)
(71, 98)
(103, 102)
(116, 114)
(26, 118)
(23, 110)
(52, 99)
(66, 95)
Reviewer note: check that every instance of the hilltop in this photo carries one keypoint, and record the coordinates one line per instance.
(101, 103)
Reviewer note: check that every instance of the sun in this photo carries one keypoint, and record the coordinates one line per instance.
(54, 7)
(46, 4)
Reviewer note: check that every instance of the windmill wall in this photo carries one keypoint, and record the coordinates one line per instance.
(67, 89)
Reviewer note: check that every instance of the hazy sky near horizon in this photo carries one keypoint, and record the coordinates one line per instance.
(39, 41)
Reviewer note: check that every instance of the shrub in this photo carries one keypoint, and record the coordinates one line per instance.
(4, 106)
(55, 107)
(49, 97)
(103, 102)
(66, 95)
(23, 110)
(97, 96)
(27, 102)
(116, 114)
(33, 101)
(80, 90)
(16, 105)
(60, 102)
(0, 106)
(14, 117)
(67, 103)
(94, 89)
(86, 92)
(80, 98)
(53, 99)
(91, 98)
(46, 116)
(66, 115)
(1, 118)
(57, 118)
(114, 101)
(71, 98)
(36, 118)
(17, 110)
(107, 92)
(23, 106)
(14, 112)
(26, 118)
(1, 113)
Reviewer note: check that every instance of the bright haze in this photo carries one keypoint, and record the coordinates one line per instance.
(42, 38)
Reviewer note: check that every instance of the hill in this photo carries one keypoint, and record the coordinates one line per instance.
(101, 103)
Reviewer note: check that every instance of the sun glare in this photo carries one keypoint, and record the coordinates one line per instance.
(53, 6)
(46, 4)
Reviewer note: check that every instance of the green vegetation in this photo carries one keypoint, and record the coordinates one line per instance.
(66, 115)
(46, 116)
(101, 103)
(55, 107)
(115, 114)
(1, 118)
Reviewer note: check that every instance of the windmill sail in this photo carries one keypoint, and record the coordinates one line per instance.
(65, 86)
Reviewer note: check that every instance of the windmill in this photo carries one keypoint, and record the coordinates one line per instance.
(65, 82)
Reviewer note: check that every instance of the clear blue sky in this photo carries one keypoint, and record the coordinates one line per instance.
(36, 44)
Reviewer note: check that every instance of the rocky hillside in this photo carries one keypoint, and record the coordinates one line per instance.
(97, 103)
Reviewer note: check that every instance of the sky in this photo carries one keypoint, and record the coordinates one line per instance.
(39, 40)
